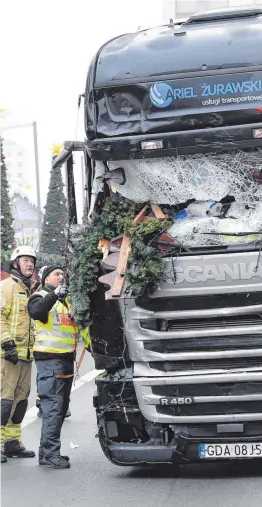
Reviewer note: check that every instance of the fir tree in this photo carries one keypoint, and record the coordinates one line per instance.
(53, 239)
(6, 229)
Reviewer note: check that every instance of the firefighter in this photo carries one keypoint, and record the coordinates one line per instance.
(17, 339)
(54, 353)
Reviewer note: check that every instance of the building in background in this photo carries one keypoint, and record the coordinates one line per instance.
(22, 194)
(25, 220)
(16, 163)
(179, 9)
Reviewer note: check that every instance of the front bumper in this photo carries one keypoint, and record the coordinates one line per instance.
(184, 451)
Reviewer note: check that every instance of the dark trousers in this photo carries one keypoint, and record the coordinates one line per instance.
(54, 393)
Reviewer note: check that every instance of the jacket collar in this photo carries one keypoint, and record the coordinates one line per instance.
(20, 282)
(49, 288)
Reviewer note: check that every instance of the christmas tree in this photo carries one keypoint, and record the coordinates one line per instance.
(6, 229)
(53, 239)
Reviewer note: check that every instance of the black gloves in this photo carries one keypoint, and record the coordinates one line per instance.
(10, 351)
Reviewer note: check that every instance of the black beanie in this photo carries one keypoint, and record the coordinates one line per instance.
(49, 270)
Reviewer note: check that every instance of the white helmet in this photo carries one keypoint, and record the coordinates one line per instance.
(23, 250)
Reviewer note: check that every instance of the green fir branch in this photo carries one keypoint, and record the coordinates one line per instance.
(145, 267)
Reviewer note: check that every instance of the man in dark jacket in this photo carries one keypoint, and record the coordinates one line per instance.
(54, 353)
(38, 401)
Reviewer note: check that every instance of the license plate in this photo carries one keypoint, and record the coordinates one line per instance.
(225, 451)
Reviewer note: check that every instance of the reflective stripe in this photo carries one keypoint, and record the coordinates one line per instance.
(15, 313)
(52, 350)
(58, 335)
(22, 353)
(2, 436)
(13, 432)
(48, 340)
(54, 343)
(5, 336)
(15, 321)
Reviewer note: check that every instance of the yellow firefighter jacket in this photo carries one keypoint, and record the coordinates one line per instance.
(14, 319)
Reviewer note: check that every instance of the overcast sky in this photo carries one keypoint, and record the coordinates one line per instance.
(46, 47)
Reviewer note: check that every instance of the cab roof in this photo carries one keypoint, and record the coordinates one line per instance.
(211, 40)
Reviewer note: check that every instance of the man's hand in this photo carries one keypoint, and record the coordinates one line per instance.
(61, 291)
(10, 351)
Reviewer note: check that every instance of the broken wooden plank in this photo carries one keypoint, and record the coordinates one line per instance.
(117, 277)
(140, 216)
(121, 267)
(148, 219)
(157, 211)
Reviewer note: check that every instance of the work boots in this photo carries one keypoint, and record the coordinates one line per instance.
(14, 449)
(58, 462)
(42, 461)
(3, 457)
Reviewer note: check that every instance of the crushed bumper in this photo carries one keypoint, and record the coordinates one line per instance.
(184, 451)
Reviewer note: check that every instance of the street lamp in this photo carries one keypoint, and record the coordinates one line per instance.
(38, 196)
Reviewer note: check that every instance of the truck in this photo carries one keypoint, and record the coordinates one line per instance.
(173, 118)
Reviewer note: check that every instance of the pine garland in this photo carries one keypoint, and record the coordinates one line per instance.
(86, 259)
(145, 263)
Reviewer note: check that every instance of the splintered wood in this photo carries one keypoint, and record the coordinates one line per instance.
(116, 279)
(122, 265)
(157, 212)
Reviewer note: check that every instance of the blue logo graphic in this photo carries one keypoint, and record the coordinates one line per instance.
(202, 451)
(161, 94)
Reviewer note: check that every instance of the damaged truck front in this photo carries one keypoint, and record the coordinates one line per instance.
(173, 118)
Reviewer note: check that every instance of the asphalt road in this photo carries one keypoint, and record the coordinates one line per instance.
(92, 481)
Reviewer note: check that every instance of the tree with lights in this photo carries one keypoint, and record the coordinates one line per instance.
(53, 240)
(6, 229)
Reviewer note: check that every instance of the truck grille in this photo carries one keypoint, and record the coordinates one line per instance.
(204, 343)
(186, 334)
(214, 389)
(212, 408)
(200, 342)
(212, 398)
(198, 303)
(216, 364)
(216, 322)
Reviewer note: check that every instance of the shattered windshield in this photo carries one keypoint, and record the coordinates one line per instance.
(219, 196)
